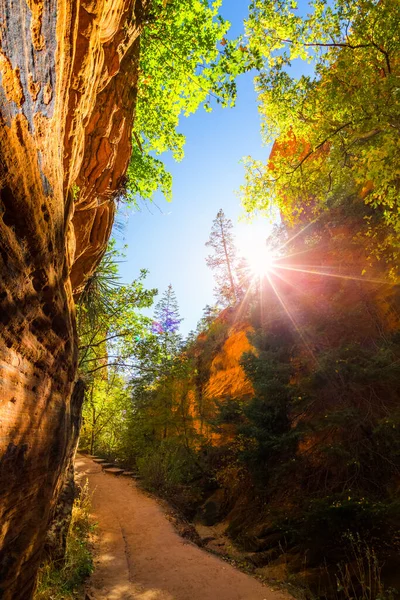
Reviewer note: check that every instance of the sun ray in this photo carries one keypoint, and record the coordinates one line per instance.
(265, 262)
(285, 256)
(288, 282)
(243, 301)
(291, 317)
(321, 273)
(297, 234)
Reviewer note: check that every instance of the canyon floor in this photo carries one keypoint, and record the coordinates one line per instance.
(139, 555)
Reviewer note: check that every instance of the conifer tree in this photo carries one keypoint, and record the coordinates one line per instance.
(210, 313)
(167, 321)
(222, 260)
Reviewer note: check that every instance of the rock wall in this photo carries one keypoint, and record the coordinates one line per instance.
(227, 379)
(218, 375)
(68, 76)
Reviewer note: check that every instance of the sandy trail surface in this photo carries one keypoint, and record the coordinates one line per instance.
(140, 556)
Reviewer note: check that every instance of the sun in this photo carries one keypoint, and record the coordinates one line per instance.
(259, 257)
(261, 263)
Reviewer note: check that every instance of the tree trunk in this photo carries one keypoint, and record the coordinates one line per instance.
(228, 264)
(92, 441)
(67, 96)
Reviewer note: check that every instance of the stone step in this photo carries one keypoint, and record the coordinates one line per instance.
(99, 460)
(114, 471)
(106, 465)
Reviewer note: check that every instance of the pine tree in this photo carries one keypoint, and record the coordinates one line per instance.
(210, 313)
(223, 259)
(167, 321)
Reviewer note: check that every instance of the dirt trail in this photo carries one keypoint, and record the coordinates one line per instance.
(140, 556)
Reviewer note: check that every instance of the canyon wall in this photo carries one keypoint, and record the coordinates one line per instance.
(226, 379)
(68, 83)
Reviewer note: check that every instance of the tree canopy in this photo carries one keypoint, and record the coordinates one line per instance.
(337, 129)
(110, 318)
(185, 62)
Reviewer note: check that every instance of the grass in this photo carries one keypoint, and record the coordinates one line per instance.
(360, 578)
(66, 581)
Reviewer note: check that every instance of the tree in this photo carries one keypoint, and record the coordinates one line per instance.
(210, 313)
(111, 327)
(104, 414)
(110, 322)
(337, 130)
(223, 259)
(267, 428)
(185, 62)
(166, 323)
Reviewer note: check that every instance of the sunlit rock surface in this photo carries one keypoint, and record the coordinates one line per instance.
(67, 97)
(223, 378)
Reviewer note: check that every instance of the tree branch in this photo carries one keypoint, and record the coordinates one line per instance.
(318, 147)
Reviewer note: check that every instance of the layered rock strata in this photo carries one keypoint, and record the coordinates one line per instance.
(68, 82)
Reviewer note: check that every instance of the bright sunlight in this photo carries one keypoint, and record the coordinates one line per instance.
(254, 247)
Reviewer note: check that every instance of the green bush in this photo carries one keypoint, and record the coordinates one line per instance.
(173, 472)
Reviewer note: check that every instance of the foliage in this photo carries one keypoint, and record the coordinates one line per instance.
(166, 322)
(143, 421)
(338, 128)
(161, 408)
(62, 582)
(223, 258)
(357, 414)
(317, 446)
(94, 302)
(113, 332)
(328, 523)
(105, 413)
(162, 441)
(123, 346)
(267, 428)
(172, 471)
(210, 313)
(185, 62)
(110, 324)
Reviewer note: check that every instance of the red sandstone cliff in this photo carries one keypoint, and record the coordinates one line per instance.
(67, 98)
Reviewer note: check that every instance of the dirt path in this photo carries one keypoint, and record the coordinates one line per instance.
(140, 556)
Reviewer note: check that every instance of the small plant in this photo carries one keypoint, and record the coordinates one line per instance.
(64, 581)
(75, 191)
(360, 577)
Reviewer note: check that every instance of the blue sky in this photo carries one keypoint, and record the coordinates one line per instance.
(169, 239)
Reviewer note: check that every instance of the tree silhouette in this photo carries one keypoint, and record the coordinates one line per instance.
(222, 260)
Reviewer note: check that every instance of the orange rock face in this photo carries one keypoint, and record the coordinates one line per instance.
(67, 97)
(227, 377)
(223, 378)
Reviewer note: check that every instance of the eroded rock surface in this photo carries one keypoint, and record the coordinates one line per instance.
(68, 75)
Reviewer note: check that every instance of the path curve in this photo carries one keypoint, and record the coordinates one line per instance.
(140, 556)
